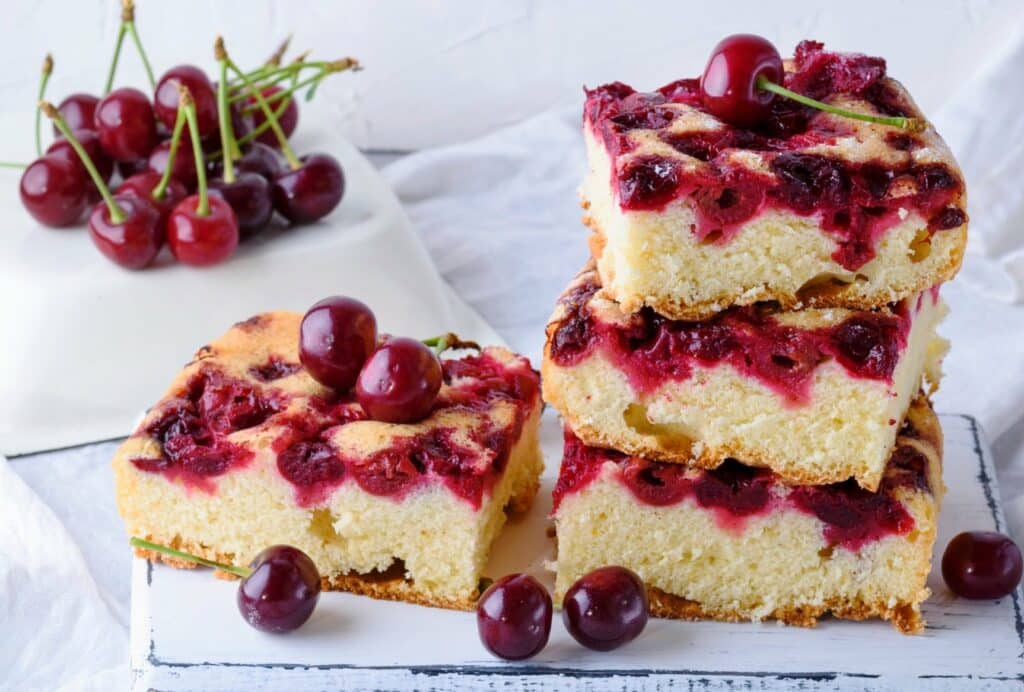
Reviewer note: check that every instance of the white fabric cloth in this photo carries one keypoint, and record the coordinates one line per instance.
(500, 219)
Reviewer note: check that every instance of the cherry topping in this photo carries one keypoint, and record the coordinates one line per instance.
(78, 111)
(282, 590)
(126, 126)
(336, 337)
(606, 608)
(400, 381)
(729, 87)
(54, 191)
(513, 617)
(311, 191)
(133, 240)
(982, 565)
(648, 182)
(165, 100)
(309, 463)
(202, 240)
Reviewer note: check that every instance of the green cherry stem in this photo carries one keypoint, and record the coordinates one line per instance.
(275, 58)
(12, 164)
(113, 62)
(910, 124)
(293, 160)
(327, 69)
(449, 341)
(160, 191)
(117, 214)
(171, 552)
(47, 70)
(187, 104)
(228, 145)
(128, 19)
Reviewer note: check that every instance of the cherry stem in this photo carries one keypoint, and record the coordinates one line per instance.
(165, 180)
(115, 60)
(275, 58)
(128, 19)
(47, 69)
(449, 341)
(187, 104)
(286, 149)
(117, 215)
(314, 81)
(279, 75)
(227, 135)
(171, 552)
(910, 124)
(12, 164)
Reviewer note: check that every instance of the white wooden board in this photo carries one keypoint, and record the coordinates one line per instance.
(187, 633)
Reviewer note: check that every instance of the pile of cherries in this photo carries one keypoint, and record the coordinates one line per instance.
(201, 165)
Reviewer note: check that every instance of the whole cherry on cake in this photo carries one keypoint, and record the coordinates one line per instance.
(278, 591)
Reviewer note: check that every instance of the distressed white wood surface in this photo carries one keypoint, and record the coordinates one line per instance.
(187, 634)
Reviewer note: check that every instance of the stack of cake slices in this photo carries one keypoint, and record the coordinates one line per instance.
(743, 368)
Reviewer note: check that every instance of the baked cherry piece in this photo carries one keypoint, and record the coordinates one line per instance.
(282, 590)
(336, 337)
(729, 88)
(249, 197)
(400, 381)
(91, 142)
(165, 100)
(202, 237)
(513, 617)
(134, 237)
(311, 191)
(54, 191)
(606, 608)
(78, 110)
(184, 170)
(145, 185)
(288, 120)
(982, 565)
(126, 125)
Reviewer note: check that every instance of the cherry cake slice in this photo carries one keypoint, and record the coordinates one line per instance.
(691, 215)
(737, 543)
(816, 395)
(247, 450)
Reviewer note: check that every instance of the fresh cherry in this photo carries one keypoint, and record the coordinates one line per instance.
(202, 239)
(336, 337)
(78, 110)
(91, 142)
(729, 87)
(513, 617)
(145, 185)
(249, 197)
(288, 120)
(982, 565)
(184, 170)
(165, 100)
(54, 191)
(126, 125)
(261, 159)
(311, 191)
(606, 608)
(281, 591)
(134, 238)
(127, 169)
(400, 381)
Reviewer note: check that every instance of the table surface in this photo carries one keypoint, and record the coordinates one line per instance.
(356, 642)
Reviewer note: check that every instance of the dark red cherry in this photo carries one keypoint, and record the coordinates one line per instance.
(143, 184)
(261, 159)
(127, 169)
(90, 141)
(134, 242)
(166, 97)
(288, 120)
(982, 565)
(249, 197)
(282, 590)
(202, 241)
(336, 337)
(606, 608)
(400, 381)
(126, 125)
(310, 192)
(78, 111)
(729, 88)
(184, 162)
(54, 191)
(513, 617)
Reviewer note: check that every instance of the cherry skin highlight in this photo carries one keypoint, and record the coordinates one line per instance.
(54, 191)
(202, 241)
(311, 192)
(281, 592)
(729, 88)
(165, 99)
(126, 125)
(336, 337)
(606, 608)
(399, 382)
(78, 111)
(133, 243)
(982, 565)
(513, 617)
